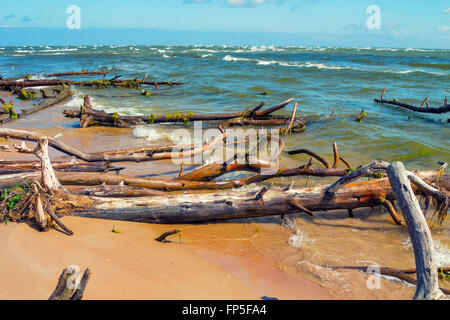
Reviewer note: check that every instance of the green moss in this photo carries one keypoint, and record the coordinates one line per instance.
(146, 93)
(10, 109)
(151, 118)
(362, 115)
(25, 95)
(115, 117)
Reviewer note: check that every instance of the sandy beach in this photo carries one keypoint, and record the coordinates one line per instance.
(132, 265)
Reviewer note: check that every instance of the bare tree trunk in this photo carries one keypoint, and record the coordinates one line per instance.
(427, 277)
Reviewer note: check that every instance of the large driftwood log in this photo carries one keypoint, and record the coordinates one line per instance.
(61, 96)
(427, 276)
(16, 166)
(438, 110)
(241, 203)
(136, 155)
(401, 274)
(99, 83)
(91, 117)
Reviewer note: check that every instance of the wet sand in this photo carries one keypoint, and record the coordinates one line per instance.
(132, 265)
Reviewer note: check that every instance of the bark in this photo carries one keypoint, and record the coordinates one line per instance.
(56, 82)
(187, 208)
(113, 191)
(136, 155)
(392, 272)
(427, 277)
(69, 283)
(48, 176)
(92, 117)
(64, 94)
(442, 109)
(11, 166)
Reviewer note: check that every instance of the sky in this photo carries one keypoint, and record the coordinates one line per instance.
(416, 24)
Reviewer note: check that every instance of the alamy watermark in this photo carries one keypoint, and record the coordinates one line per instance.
(74, 20)
(374, 280)
(374, 19)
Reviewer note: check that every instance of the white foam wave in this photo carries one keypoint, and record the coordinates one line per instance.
(151, 133)
(231, 58)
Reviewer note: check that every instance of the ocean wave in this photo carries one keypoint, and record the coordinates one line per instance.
(152, 133)
(231, 58)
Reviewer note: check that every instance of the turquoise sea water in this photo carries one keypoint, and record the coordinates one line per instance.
(230, 78)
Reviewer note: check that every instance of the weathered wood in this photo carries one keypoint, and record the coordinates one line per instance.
(427, 278)
(439, 110)
(162, 238)
(91, 117)
(55, 82)
(48, 176)
(79, 292)
(39, 214)
(64, 94)
(70, 286)
(113, 191)
(15, 166)
(186, 208)
(136, 155)
(392, 272)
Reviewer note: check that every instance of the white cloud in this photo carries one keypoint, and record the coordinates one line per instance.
(447, 10)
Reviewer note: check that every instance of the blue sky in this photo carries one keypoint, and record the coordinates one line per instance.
(422, 24)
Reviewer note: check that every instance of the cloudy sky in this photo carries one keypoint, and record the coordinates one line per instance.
(422, 24)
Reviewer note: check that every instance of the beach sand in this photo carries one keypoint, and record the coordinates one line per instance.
(132, 265)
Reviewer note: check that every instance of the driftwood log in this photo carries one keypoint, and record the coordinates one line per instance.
(424, 109)
(240, 203)
(427, 276)
(71, 285)
(91, 117)
(136, 154)
(56, 82)
(61, 96)
(16, 166)
(402, 274)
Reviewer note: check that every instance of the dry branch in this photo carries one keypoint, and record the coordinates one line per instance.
(438, 110)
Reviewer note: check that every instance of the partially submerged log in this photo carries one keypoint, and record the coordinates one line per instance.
(61, 96)
(401, 274)
(98, 83)
(438, 110)
(91, 117)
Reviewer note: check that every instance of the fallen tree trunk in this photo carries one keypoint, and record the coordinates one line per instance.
(15, 166)
(90, 83)
(136, 155)
(62, 95)
(91, 117)
(401, 274)
(186, 208)
(113, 191)
(439, 110)
(420, 235)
